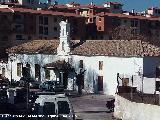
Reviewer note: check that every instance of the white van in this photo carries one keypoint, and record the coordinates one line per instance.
(57, 107)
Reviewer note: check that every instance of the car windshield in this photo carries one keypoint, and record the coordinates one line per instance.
(49, 108)
(63, 107)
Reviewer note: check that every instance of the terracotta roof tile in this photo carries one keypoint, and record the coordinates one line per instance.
(129, 16)
(45, 12)
(36, 46)
(5, 10)
(123, 48)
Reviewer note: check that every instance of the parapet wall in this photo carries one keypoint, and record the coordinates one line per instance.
(127, 110)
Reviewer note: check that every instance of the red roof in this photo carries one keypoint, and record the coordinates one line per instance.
(5, 10)
(45, 12)
(129, 16)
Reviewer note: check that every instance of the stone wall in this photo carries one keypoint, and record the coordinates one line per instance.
(127, 110)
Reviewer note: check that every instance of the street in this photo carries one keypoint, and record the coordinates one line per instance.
(91, 107)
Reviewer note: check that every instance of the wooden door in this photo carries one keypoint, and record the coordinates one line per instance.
(100, 83)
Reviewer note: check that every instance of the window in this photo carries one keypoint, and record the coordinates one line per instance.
(18, 28)
(40, 20)
(19, 69)
(55, 29)
(19, 37)
(37, 71)
(45, 30)
(100, 19)
(3, 72)
(49, 108)
(99, 28)
(47, 74)
(134, 23)
(100, 65)
(45, 20)
(63, 107)
(90, 11)
(81, 64)
(90, 20)
(40, 29)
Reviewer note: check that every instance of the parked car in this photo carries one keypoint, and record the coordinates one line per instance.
(58, 105)
(53, 86)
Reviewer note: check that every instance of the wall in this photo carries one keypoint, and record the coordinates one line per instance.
(127, 110)
(111, 66)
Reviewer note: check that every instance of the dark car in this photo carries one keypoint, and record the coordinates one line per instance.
(53, 86)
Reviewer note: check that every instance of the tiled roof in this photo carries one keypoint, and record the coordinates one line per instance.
(36, 46)
(92, 47)
(6, 10)
(46, 12)
(129, 16)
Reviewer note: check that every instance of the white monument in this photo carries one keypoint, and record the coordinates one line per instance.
(64, 45)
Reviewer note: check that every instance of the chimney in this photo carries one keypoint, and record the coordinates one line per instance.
(133, 11)
(91, 3)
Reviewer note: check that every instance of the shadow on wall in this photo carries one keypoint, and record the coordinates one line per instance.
(149, 66)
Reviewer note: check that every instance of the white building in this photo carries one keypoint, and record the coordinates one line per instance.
(102, 60)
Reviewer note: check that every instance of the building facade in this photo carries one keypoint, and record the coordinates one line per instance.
(102, 60)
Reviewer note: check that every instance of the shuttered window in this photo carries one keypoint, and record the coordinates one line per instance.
(100, 65)
(81, 64)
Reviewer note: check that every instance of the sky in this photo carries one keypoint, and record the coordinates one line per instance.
(138, 5)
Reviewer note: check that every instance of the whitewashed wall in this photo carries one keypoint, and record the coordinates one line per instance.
(127, 110)
(111, 66)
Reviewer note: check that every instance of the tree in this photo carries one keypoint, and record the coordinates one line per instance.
(126, 33)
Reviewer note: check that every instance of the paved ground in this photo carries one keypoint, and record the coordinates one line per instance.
(91, 107)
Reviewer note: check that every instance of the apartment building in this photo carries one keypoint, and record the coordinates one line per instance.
(20, 25)
(5, 30)
(140, 24)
